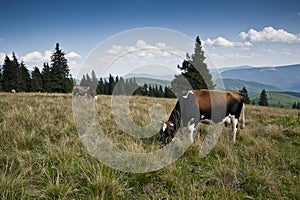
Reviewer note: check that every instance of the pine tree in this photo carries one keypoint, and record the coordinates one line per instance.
(37, 80)
(195, 71)
(100, 87)
(9, 73)
(263, 100)
(23, 79)
(61, 80)
(294, 106)
(168, 93)
(145, 90)
(120, 86)
(83, 81)
(46, 78)
(244, 93)
(111, 84)
(94, 81)
(160, 92)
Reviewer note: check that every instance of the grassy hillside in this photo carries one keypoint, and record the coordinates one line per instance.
(42, 156)
(278, 99)
(253, 88)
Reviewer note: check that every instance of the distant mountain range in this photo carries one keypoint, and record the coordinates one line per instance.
(286, 78)
(282, 82)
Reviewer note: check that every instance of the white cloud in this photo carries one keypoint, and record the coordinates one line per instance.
(115, 50)
(34, 57)
(2, 56)
(37, 57)
(121, 59)
(141, 44)
(73, 55)
(161, 45)
(269, 34)
(223, 42)
(144, 49)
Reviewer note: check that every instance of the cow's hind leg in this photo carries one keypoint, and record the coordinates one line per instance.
(234, 127)
(192, 129)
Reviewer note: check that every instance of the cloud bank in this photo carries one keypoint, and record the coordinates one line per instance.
(222, 42)
(269, 34)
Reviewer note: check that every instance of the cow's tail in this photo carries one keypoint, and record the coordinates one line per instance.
(243, 117)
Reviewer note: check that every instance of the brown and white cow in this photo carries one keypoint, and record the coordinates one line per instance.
(206, 106)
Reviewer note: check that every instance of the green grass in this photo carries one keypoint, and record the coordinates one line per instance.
(277, 99)
(42, 156)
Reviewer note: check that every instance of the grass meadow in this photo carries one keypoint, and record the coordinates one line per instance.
(42, 156)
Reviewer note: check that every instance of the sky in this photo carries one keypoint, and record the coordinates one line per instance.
(233, 33)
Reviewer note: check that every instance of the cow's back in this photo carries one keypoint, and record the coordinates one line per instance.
(216, 105)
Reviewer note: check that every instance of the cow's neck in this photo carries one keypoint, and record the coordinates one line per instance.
(175, 116)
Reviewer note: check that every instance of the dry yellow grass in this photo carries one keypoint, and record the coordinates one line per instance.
(42, 156)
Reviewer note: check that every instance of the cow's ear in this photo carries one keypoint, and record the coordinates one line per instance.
(164, 126)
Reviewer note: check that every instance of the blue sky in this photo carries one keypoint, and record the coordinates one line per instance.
(259, 33)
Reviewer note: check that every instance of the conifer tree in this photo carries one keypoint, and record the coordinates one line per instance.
(294, 106)
(36, 80)
(61, 80)
(168, 93)
(46, 78)
(144, 90)
(9, 73)
(244, 93)
(194, 70)
(23, 79)
(83, 81)
(111, 84)
(100, 86)
(94, 81)
(263, 99)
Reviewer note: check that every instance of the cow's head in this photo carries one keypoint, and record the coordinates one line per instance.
(167, 133)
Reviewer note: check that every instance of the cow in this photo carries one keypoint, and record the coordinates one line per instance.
(13, 91)
(206, 106)
(83, 91)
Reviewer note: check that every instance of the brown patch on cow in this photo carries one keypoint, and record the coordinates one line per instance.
(169, 125)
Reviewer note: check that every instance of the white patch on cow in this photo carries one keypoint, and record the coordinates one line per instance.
(171, 124)
(227, 120)
(164, 127)
(192, 130)
(189, 92)
(234, 128)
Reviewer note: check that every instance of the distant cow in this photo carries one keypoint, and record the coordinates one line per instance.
(13, 91)
(83, 91)
(205, 106)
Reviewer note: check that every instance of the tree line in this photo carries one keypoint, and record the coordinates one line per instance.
(120, 86)
(55, 77)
